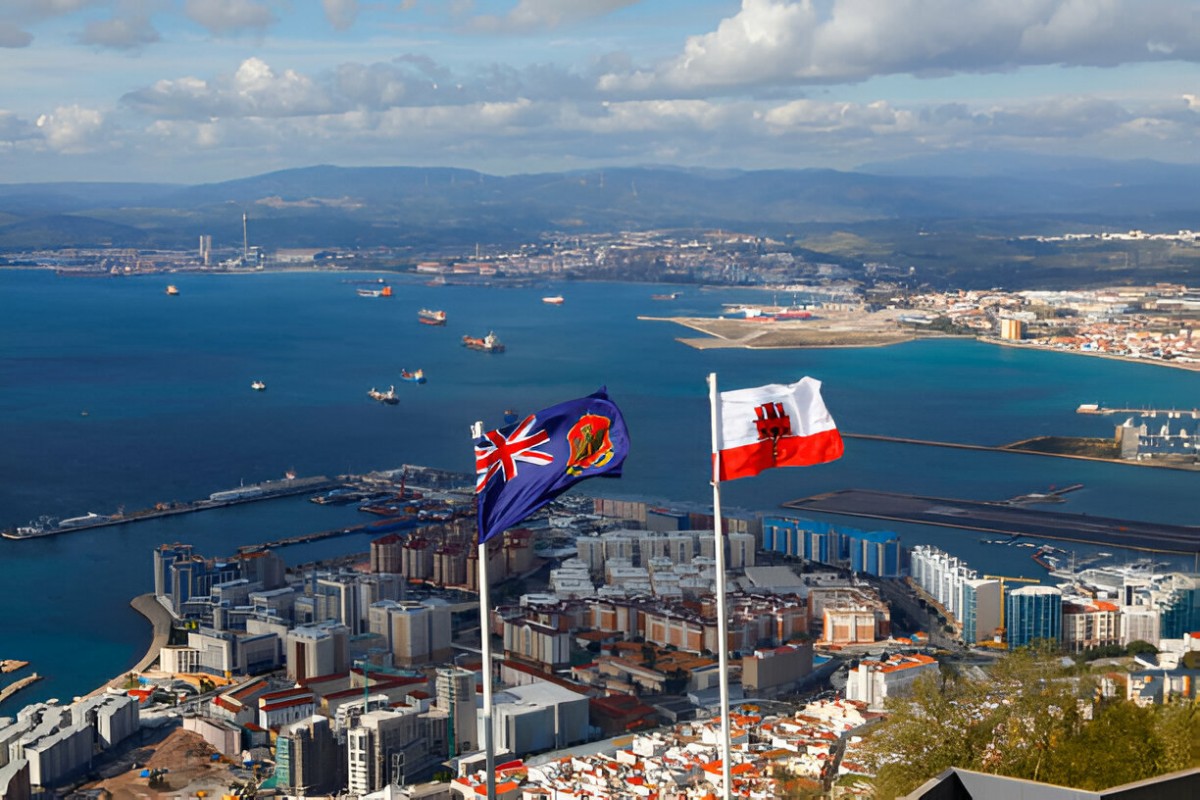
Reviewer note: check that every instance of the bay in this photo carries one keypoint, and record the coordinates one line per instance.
(113, 394)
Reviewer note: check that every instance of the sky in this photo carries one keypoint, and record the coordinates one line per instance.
(198, 91)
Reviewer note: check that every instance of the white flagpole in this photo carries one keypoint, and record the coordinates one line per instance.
(485, 649)
(722, 620)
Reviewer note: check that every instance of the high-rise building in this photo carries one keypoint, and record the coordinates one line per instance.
(981, 604)
(317, 650)
(1033, 613)
(455, 689)
(308, 758)
(387, 554)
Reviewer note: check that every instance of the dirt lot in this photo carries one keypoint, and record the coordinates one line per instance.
(188, 761)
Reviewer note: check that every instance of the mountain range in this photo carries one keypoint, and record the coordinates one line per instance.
(330, 206)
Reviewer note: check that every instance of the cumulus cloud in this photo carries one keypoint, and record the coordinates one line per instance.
(341, 13)
(120, 33)
(253, 90)
(72, 129)
(229, 16)
(801, 41)
(13, 36)
(529, 15)
(256, 89)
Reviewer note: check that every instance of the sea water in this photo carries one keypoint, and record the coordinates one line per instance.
(116, 395)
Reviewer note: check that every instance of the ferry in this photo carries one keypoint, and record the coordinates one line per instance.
(387, 398)
(413, 377)
(386, 291)
(488, 344)
(258, 386)
(428, 316)
(556, 300)
(172, 289)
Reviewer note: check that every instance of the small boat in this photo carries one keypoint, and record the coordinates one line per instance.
(386, 291)
(556, 300)
(258, 386)
(414, 377)
(387, 398)
(671, 296)
(172, 289)
(428, 316)
(489, 344)
(510, 416)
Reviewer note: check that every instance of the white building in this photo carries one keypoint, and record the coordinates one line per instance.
(873, 681)
(538, 717)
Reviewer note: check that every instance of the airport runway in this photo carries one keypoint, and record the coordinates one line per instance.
(1005, 519)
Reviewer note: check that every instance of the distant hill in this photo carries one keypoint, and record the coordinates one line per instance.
(427, 207)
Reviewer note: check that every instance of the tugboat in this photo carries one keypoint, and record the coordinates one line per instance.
(488, 344)
(388, 398)
(428, 316)
(258, 386)
(413, 377)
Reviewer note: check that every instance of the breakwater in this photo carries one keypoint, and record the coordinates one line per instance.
(268, 490)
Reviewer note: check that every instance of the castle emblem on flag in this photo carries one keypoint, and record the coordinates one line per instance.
(772, 422)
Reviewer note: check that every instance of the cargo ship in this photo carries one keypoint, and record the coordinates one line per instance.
(417, 376)
(427, 316)
(489, 344)
(387, 398)
(386, 291)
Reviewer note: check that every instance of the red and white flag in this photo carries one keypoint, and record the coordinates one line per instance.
(775, 425)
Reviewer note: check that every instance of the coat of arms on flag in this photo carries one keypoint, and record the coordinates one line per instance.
(522, 467)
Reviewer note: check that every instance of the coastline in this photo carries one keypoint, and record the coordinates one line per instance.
(1152, 362)
(160, 621)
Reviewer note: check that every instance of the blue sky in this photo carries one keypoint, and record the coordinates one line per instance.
(189, 91)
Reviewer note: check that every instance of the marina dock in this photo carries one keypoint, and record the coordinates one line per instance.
(1000, 518)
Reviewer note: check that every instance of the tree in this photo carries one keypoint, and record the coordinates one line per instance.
(1033, 718)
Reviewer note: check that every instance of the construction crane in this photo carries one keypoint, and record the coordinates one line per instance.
(1003, 591)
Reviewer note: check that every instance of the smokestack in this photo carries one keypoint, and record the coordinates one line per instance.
(245, 241)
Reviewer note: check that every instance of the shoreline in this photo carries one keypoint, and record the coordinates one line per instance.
(847, 338)
(1042, 348)
(160, 624)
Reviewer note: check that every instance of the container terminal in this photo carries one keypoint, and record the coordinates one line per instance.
(1006, 518)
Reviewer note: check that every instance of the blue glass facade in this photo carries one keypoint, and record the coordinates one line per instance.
(871, 552)
(1032, 613)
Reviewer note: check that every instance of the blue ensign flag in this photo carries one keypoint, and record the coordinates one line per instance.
(521, 467)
